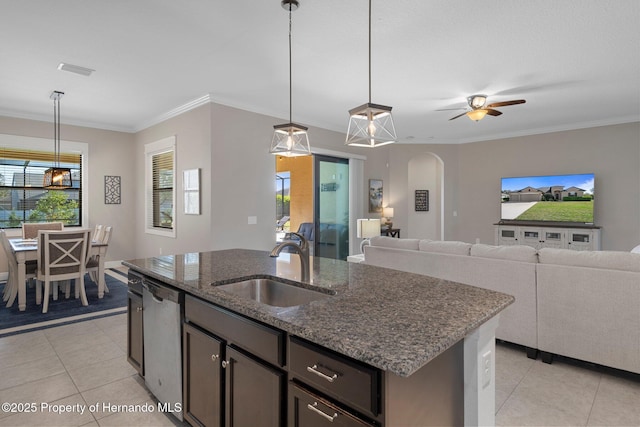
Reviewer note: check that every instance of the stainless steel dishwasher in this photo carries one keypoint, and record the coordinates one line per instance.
(163, 344)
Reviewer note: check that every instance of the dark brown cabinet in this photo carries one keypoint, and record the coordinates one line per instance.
(135, 325)
(254, 392)
(228, 369)
(202, 378)
(309, 410)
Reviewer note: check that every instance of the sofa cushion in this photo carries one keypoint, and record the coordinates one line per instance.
(512, 253)
(392, 242)
(445, 247)
(612, 260)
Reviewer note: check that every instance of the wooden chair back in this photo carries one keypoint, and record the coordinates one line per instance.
(30, 229)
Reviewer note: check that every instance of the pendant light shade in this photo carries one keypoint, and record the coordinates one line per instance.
(56, 177)
(370, 125)
(290, 139)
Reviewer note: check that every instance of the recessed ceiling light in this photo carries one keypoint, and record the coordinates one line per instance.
(75, 69)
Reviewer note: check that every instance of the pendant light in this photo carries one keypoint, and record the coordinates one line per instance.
(290, 139)
(56, 178)
(370, 125)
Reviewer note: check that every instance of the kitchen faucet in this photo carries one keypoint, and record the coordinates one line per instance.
(303, 251)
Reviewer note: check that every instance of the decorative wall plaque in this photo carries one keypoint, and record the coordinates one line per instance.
(111, 190)
(422, 200)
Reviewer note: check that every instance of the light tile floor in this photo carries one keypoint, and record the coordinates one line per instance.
(85, 364)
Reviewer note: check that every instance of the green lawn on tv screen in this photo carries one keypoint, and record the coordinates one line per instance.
(559, 211)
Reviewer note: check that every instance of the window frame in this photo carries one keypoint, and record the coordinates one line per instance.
(19, 142)
(150, 150)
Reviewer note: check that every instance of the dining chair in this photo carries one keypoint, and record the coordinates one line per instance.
(30, 229)
(62, 255)
(11, 286)
(98, 233)
(94, 261)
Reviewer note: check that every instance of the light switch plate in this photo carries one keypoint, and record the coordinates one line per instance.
(252, 220)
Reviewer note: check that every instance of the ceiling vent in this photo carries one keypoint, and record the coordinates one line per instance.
(75, 69)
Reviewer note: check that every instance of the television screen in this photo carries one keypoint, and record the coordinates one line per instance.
(558, 198)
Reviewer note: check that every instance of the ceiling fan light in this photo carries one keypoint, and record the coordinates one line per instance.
(477, 115)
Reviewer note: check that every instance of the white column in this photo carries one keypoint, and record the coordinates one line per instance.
(480, 375)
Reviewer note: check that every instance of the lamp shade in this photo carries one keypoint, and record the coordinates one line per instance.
(387, 212)
(368, 228)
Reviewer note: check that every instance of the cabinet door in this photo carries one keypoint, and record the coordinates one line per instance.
(530, 237)
(254, 392)
(308, 410)
(581, 240)
(202, 379)
(135, 337)
(553, 238)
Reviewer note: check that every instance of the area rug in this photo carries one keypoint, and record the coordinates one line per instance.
(65, 311)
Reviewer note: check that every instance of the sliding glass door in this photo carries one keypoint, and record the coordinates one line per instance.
(331, 207)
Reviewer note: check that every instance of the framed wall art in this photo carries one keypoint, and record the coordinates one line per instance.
(422, 200)
(112, 190)
(375, 195)
(191, 186)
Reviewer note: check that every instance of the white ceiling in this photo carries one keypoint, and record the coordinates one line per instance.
(576, 62)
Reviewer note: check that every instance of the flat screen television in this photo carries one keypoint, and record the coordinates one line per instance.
(549, 198)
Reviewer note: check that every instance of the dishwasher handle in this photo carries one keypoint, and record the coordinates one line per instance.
(159, 292)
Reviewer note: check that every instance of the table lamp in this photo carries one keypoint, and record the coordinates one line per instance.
(366, 229)
(388, 214)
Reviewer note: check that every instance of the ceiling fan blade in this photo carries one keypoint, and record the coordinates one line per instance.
(505, 103)
(459, 115)
(493, 112)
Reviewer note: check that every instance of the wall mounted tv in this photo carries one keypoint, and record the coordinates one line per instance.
(550, 198)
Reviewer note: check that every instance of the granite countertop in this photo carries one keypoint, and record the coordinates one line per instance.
(392, 320)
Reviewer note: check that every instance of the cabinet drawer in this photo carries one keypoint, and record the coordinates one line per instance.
(347, 380)
(261, 340)
(309, 410)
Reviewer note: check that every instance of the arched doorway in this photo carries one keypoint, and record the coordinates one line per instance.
(426, 172)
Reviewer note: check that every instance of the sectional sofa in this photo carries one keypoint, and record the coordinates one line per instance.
(584, 305)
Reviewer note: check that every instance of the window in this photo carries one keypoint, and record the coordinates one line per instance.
(23, 162)
(160, 181)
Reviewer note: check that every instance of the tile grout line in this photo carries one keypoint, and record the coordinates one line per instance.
(517, 385)
(595, 396)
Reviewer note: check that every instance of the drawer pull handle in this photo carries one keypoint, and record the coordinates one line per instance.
(225, 363)
(214, 357)
(138, 309)
(315, 409)
(314, 369)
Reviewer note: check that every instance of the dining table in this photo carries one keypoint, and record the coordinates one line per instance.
(27, 250)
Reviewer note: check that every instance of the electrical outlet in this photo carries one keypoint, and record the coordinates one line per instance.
(486, 369)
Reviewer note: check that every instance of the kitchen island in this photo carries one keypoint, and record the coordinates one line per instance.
(399, 328)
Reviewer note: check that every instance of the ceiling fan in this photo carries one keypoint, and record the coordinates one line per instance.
(479, 109)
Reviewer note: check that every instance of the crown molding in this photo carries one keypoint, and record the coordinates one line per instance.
(552, 129)
(80, 123)
(205, 99)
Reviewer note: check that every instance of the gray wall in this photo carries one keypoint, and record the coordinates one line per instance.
(472, 175)
(110, 153)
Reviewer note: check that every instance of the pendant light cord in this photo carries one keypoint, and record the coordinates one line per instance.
(290, 73)
(369, 51)
(56, 131)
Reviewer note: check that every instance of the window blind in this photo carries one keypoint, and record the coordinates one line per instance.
(162, 189)
(22, 197)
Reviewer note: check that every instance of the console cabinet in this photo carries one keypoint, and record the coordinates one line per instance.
(536, 236)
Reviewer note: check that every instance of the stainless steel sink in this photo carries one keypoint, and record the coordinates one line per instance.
(272, 292)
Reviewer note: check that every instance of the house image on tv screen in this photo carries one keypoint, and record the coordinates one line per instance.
(556, 192)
